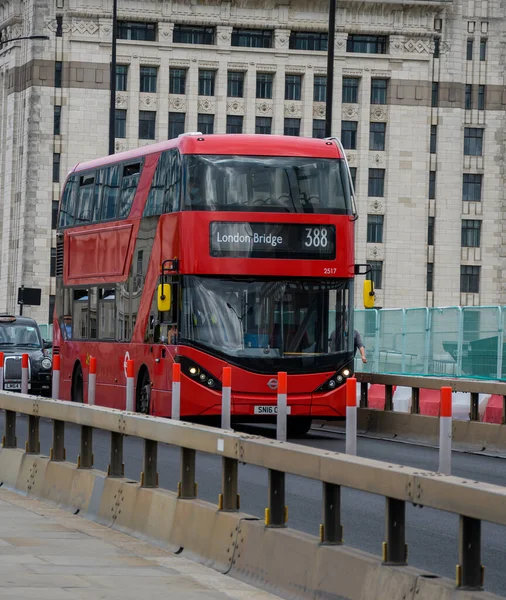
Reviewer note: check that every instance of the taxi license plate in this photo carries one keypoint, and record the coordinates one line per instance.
(270, 409)
(12, 386)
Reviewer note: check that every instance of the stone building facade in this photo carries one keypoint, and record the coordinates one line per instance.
(419, 101)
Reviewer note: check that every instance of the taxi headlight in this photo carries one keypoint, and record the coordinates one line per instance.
(46, 363)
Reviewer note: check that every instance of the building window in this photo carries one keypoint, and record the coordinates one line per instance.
(377, 273)
(376, 186)
(435, 93)
(264, 85)
(263, 125)
(190, 34)
(483, 49)
(468, 102)
(433, 139)
(353, 173)
(349, 134)
(319, 128)
(430, 231)
(56, 167)
(148, 79)
(308, 40)
(379, 91)
(147, 121)
(205, 123)
(469, 50)
(120, 116)
(235, 84)
(206, 83)
(471, 233)
(471, 188)
(234, 124)
(367, 44)
(320, 88)
(481, 97)
(58, 68)
(121, 78)
(177, 81)
(469, 279)
(59, 26)
(176, 124)
(437, 47)
(375, 229)
(430, 276)
(252, 38)
(52, 264)
(473, 141)
(432, 185)
(54, 214)
(292, 127)
(132, 30)
(350, 90)
(377, 134)
(57, 120)
(52, 300)
(293, 87)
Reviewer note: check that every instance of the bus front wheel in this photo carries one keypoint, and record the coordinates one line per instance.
(77, 385)
(143, 392)
(298, 426)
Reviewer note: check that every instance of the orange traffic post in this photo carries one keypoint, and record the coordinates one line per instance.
(2, 362)
(24, 374)
(351, 416)
(92, 381)
(282, 412)
(55, 389)
(176, 392)
(130, 386)
(226, 398)
(445, 432)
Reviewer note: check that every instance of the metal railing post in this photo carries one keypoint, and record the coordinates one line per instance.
(85, 459)
(149, 477)
(331, 530)
(276, 512)
(500, 343)
(474, 413)
(229, 497)
(116, 466)
(415, 401)
(389, 397)
(187, 489)
(33, 442)
(460, 342)
(364, 395)
(9, 440)
(395, 549)
(57, 452)
(469, 570)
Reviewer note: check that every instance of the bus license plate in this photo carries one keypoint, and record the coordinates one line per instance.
(271, 409)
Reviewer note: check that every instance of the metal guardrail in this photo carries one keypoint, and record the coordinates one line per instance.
(474, 387)
(473, 501)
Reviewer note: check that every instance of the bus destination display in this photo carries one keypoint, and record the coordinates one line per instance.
(272, 240)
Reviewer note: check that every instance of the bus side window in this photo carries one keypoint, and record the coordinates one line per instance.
(173, 183)
(85, 198)
(68, 203)
(131, 175)
(154, 204)
(110, 195)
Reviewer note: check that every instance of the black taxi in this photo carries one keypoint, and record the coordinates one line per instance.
(18, 336)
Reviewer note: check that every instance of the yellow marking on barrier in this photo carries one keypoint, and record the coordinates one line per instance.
(384, 551)
(322, 533)
(267, 517)
(286, 514)
(220, 502)
(458, 575)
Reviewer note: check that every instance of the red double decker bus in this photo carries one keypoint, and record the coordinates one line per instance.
(212, 251)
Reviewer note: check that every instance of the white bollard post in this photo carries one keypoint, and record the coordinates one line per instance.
(351, 416)
(282, 407)
(92, 381)
(24, 374)
(226, 398)
(55, 389)
(176, 392)
(445, 432)
(2, 362)
(130, 406)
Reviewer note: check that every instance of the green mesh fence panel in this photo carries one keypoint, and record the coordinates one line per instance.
(416, 336)
(480, 341)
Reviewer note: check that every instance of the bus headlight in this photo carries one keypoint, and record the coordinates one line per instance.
(338, 379)
(193, 371)
(198, 374)
(346, 373)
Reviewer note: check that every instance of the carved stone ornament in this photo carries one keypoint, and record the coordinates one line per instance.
(84, 27)
(148, 101)
(225, 36)
(373, 252)
(375, 206)
(281, 38)
(319, 110)
(351, 157)
(379, 113)
(206, 105)
(293, 110)
(121, 101)
(264, 108)
(377, 159)
(52, 25)
(235, 107)
(349, 111)
(177, 103)
(120, 146)
(418, 46)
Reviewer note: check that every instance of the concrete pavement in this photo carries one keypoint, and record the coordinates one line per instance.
(49, 554)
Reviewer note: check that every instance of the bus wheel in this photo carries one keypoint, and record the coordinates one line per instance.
(143, 392)
(298, 426)
(77, 385)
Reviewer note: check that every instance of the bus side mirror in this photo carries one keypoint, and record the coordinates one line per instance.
(368, 294)
(164, 297)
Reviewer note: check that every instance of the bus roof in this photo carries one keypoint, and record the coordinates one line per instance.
(239, 144)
